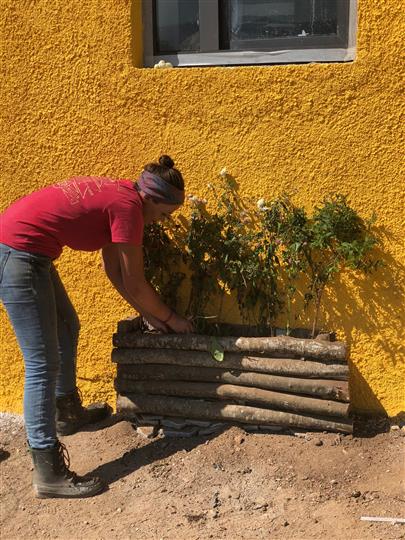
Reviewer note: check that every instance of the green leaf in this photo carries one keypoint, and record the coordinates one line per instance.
(217, 352)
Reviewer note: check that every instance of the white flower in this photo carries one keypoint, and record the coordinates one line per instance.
(261, 203)
(162, 64)
(223, 172)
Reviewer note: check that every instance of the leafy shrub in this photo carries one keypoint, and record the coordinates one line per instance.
(260, 253)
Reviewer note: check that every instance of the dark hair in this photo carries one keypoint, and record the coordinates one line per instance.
(165, 169)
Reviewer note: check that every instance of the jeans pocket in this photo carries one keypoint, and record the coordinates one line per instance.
(4, 255)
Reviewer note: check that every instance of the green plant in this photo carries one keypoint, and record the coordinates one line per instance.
(286, 226)
(202, 232)
(232, 252)
(266, 256)
(339, 239)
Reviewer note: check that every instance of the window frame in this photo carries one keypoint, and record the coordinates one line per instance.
(313, 49)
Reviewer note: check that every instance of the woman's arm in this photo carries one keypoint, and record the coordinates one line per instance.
(123, 264)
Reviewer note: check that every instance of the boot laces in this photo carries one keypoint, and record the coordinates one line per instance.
(64, 462)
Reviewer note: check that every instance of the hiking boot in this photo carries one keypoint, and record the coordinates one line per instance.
(71, 415)
(53, 479)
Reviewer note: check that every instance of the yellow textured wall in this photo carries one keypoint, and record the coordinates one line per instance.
(74, 103)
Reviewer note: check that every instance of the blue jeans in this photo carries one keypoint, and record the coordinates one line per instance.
(47, 329)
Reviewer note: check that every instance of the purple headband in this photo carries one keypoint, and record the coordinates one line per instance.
(159, 189)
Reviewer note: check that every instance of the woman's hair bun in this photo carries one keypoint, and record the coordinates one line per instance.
(166, 161)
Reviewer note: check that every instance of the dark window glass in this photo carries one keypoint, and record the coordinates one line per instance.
(258, 22)
(249, 25)
(177, 26)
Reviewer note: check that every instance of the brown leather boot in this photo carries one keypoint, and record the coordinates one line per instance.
(71, 415)
(53, 479)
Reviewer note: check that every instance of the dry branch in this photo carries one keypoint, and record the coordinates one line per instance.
(282, 346)
(174, 406)
(266, 398)
(323, 388)
(276, 366)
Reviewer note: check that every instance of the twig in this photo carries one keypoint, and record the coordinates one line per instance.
(385, 519)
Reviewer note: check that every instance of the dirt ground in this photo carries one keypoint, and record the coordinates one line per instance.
(232, 485)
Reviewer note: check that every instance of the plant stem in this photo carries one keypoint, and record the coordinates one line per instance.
(319, 292)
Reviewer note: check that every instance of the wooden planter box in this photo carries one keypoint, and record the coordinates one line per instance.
(292, 382)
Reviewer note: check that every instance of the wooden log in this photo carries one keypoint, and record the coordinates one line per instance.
(290, 367)
(322, 388)
(251, 396)
(282, 346)
(210, 410)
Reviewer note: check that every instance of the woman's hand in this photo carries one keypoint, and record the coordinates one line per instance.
(179, 324)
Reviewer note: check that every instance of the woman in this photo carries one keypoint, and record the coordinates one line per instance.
(84, 213)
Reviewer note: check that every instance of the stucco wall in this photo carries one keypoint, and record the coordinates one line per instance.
(74, 103)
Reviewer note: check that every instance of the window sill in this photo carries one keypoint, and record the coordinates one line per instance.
(252, 58)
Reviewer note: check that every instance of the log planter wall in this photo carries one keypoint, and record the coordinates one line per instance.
(286, 381)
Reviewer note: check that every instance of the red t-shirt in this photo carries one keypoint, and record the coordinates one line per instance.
(84, 213)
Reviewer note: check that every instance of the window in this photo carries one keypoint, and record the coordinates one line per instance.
(237, 32)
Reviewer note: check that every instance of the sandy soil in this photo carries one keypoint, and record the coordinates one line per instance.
(232, 485)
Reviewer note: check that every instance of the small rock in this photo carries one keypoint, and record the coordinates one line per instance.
(119, 510)
(148, 432)
(285, 523)
(334, 482)
(260, 505)
(213, 513)
(395, 428)
(215, 500)
(318, 442)
(355, 494)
